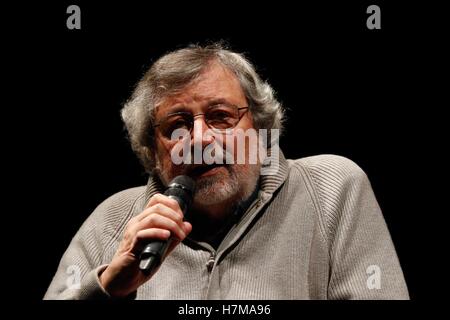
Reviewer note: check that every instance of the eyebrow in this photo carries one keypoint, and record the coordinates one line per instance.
(182, 108)
(217, 101)
(176, 108)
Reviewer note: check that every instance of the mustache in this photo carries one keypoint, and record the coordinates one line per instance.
(202, 156)
(194, 170)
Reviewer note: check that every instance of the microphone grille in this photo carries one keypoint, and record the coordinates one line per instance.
(184, 182)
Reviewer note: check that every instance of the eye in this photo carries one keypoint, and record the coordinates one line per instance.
(179, 123)
(221, 112)
(219, 115)
(174, 122)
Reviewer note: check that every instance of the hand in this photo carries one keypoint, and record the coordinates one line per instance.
(161, 219)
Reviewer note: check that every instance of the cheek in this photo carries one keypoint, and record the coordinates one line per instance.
(247, 121)
(242, 148)
(163, 154)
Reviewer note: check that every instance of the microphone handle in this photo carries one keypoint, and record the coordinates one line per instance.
(151, 256)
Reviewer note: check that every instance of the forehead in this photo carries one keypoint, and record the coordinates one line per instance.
(215, 83)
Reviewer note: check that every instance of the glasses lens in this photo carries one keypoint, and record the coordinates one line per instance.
(218, 117)
(222, 117)
(174, 121)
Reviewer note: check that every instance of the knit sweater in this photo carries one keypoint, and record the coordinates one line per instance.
(314, 231)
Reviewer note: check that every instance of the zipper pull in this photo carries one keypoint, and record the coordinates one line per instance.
(211, 261)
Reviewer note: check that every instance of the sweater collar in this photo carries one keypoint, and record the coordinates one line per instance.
(268, 183)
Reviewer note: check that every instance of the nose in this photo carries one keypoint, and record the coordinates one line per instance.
(200, 137)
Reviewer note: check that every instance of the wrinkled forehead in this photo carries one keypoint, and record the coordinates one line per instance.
(216, 84)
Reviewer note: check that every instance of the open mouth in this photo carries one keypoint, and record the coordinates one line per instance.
(205, 170)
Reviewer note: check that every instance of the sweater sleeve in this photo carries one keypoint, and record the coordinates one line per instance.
(363, 261)
(77, 276)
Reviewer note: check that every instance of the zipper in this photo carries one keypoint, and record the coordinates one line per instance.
(211, 261)
(212, 254)
(254, 206)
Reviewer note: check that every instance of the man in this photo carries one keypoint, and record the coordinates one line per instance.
(311, 229)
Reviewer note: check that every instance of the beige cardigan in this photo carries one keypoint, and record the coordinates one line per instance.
(315, 231)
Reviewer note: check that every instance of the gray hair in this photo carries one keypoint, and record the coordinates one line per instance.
(173, 72)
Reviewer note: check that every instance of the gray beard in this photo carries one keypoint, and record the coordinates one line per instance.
(238, 185)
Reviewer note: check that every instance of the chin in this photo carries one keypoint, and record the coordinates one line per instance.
(215, 189)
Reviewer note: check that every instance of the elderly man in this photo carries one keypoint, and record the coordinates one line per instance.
(311, 229)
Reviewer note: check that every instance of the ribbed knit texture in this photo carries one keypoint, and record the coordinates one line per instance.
(311, 233)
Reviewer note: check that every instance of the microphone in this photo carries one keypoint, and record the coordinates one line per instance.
(181, 188)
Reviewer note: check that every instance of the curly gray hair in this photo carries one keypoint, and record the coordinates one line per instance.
(173, 72)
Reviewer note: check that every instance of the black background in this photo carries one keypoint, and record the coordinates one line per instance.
(369, 95)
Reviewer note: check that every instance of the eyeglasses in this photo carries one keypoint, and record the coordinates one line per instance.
(218, 117)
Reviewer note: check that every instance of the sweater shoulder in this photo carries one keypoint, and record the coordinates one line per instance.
(122, 200)
(330, 169)
(334, 183)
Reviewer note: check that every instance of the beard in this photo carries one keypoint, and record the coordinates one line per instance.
(233, 183)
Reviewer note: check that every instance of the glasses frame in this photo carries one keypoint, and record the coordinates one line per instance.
(191, 124)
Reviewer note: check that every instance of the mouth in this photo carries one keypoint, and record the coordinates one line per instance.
(205, 170)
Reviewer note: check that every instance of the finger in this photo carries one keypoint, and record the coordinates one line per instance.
(160, 198)
(133, 225)
(154, 200)
(159, 221)
(152, 234)
(162, 210)
(143, 237)
(187, 228)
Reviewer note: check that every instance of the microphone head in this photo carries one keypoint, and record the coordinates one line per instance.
(183, 182)
(182, 189)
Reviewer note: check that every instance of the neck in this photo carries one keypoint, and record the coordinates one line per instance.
(211, 223)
